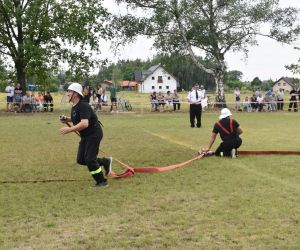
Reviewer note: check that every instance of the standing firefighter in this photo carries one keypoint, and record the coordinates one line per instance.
(229, 130)
(86, 123)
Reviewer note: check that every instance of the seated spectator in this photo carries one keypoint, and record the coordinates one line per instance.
(161, 101)
(253, 102)
(246, 104)
(104, 99)
(267, 102)
(27, 105)
(40, 102)
(48, 102)
(176, 101)
(154, 102)
(94, 102)
(169, 101)
(34, 102)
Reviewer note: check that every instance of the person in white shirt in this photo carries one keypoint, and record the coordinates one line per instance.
(194, 98)
(202, 89)
(10, 92)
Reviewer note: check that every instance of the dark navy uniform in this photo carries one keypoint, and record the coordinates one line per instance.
(228, 130)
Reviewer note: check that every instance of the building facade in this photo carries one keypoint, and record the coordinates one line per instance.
(155, 79)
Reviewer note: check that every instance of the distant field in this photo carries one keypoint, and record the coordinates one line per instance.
(252, 202)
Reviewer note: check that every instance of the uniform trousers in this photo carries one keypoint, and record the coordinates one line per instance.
(195, 112)
(226, 146)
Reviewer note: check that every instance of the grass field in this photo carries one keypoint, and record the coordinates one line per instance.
(252, 202)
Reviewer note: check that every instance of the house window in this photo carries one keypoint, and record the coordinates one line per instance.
(160, 87)
(153, 87)
(279, 84)
(169, 77)
(284, 84)
(167, 87)
(153, 78)
(159, 79)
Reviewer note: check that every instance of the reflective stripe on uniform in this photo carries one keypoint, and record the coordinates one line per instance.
(96, 171)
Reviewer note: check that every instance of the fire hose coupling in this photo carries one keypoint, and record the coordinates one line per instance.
(62, 117)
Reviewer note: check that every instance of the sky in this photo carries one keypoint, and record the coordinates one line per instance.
(267, 60)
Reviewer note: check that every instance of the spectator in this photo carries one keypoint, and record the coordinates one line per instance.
(169, 101)
(104, 99)
(257, 92)
(280, 99)
(237, 94)
(176, 101)
(34, 102)
(202, 90)
(86, 94)
(247, 105)
(253, 101)
(260, 103)
(267, 102)
(293, 100)
(27, 104)
(18, 98)
(161, 101)
(99, 93)
(94, 102)
(269, 92)
(273, 102)
(48, 102)
(40, 102)
(154, 101)
(10, 92)
(113, 98)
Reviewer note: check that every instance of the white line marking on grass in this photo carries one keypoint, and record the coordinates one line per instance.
(240, 164)
(171, 140)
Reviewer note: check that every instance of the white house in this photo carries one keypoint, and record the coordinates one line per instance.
(156, 79)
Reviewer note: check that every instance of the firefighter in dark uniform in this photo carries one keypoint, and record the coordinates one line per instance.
(86, 123)
(229, 130)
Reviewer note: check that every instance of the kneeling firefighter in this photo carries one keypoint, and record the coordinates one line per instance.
(229, 130)
(86, 122)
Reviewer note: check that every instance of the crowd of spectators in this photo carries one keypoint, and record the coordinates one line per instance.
(168, 102)
(268, 101)
(96, 97)
(21, 101)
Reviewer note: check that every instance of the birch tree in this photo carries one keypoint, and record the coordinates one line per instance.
(209, 27)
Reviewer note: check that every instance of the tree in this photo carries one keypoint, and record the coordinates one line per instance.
(256, 82)
(39, 34)
(212, 27)
(294, 67)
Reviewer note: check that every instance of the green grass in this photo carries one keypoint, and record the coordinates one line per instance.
(252, 202)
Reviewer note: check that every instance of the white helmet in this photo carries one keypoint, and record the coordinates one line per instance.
(76, 87)
(225, 112)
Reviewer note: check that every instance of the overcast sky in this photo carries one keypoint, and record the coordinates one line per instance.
(267, 60)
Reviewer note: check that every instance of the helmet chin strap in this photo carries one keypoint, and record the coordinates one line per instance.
(70, 99)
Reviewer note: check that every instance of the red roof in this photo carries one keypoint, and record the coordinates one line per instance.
(128, 83)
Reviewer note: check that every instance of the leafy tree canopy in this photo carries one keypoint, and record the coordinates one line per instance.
(37, 35)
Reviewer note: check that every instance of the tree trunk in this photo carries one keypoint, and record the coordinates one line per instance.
(220, 95)
(21, 76)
